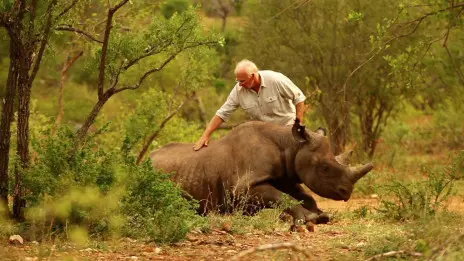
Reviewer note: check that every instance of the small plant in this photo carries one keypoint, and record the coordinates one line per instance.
(362, 211)
(424, 198)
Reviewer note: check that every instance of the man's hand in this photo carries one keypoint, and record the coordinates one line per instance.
(203, 141)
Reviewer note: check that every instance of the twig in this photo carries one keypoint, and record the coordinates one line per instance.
(65, 69)
(104, 50)
(268, 247)
(161, 127)
(69, 7)
(79, 31)
(43, 42)
(455, 66)
(394, 253)
(292, 6)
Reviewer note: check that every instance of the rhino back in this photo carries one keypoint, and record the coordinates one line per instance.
(242, 155)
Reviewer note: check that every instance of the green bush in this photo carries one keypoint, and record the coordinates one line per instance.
(92, 192)
(154, 206)
(172, 6)
(57, 167)
(421, 199)
(448, 121)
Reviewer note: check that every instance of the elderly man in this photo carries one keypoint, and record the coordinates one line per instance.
(263, 95)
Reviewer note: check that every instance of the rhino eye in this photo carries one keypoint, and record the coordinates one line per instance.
(325, 167)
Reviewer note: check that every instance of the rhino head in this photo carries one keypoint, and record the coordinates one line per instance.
(320, 170)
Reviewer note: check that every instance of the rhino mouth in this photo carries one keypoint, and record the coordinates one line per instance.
(343, 194)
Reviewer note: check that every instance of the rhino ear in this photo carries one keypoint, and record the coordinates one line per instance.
(299, 133)
(321, 131)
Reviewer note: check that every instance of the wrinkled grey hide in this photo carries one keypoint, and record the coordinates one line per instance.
(261, 160)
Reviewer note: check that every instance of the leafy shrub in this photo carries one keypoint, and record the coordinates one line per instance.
(56, 167)
(423, 198)
(154, 206)
(99, 191)
(172, 6)
(448, 121)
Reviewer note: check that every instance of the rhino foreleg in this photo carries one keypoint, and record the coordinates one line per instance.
(308, 210)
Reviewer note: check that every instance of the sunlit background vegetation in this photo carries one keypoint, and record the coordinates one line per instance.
(384, 77)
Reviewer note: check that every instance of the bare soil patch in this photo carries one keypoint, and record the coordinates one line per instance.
(216, 245)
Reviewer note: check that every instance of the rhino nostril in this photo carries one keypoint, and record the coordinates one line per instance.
(343, 192)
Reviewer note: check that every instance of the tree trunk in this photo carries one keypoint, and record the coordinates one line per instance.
(337, 119)
(24, 97)
(201, 109)
(338, 135)
(5, 125)
(82, 132)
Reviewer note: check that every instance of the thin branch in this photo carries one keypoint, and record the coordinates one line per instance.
(106, 38)
(270, 247)
(418, 21)
(292, 6)
(149, 72)
(65, 69)
(394, 253)
(123, 2)
(32, 14)
(151, 51)
(161, 127)
(380, 50)
(453, 62)
(43, 42)
(456, 68)
(19, 9)
(79, 31)
(69, 7)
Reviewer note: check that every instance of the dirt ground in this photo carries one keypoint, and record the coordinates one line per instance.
(217, 245)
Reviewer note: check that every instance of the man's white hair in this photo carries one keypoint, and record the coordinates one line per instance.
(248, 66)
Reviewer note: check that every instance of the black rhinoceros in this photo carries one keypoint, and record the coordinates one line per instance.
(261, 160)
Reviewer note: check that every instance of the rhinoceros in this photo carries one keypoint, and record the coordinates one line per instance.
(262, 160)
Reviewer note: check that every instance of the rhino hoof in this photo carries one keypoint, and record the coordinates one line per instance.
(297, 228)
(323, 218)
(310, 226)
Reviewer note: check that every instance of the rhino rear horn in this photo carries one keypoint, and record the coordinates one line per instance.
(298, 132)
(344, 158)
(359, 172)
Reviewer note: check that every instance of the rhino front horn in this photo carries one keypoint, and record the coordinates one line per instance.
(359, 172)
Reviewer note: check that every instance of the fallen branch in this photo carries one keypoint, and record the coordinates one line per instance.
(394, 253)
(268, 247)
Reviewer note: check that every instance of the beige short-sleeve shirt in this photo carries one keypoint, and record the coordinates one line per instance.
(275, 101)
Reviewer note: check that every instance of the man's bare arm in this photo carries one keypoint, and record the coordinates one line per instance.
(300, 109)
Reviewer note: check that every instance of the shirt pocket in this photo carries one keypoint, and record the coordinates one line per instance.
(271, 104)
(251, 109)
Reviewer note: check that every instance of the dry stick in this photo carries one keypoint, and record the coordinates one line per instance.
(394, 253)
(268, 247)
(60, 96)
